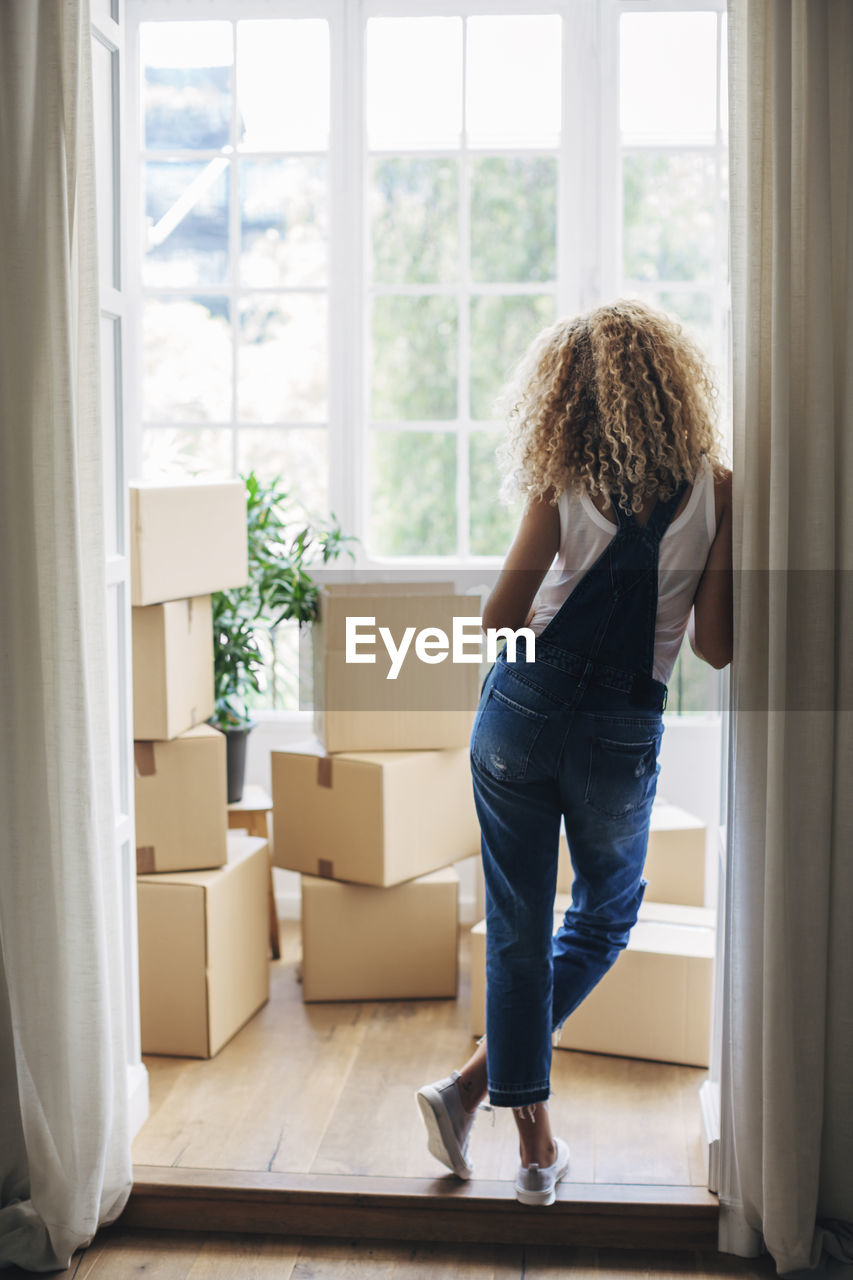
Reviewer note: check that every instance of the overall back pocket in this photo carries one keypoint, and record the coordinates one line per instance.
(504, 736)
(622, 775)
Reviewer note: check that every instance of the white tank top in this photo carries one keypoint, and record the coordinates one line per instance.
(584, 535)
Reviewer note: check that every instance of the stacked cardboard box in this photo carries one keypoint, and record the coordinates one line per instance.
(203, 967)
(655, 1002)
(201, 891)
(375, 811)
(675, 859)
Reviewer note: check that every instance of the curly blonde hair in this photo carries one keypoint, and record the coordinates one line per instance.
(619, 401)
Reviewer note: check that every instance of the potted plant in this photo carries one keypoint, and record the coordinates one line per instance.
(280, 588)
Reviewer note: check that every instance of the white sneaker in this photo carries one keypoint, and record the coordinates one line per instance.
(535, 1184)
(448, 1124)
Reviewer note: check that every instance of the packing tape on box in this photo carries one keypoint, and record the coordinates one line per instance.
(143, 759)
(324, 773)
(144, 859)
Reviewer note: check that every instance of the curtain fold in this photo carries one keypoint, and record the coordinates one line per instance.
(787, 1080)
(65, 1163)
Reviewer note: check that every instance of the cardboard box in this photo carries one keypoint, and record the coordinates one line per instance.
(427, 705)
(663, 912)
(172, 667)
(361, 943)
(203, 939)
(375, 818)
(675, 860)
(655, 1001)
(181, 802)
(186, 539)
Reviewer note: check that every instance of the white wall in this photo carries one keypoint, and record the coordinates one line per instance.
(690, 777)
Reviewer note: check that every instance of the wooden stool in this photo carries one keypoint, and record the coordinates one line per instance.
(250, 815)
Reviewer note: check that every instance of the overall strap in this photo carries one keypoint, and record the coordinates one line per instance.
(660, 518)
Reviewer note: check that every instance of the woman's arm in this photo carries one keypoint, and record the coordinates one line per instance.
(529, 558)
(710, 626)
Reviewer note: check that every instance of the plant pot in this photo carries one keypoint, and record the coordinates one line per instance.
(235, 756)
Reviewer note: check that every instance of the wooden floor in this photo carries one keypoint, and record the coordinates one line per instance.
(310, 1096)
(118, 1254)
(328, 1089)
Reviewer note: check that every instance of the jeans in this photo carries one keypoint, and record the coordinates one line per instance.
(546, 746)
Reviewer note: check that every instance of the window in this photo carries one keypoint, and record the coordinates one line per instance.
(353, 218)
(234, 262)
(673, 177)
(674, 172)
(462, 193)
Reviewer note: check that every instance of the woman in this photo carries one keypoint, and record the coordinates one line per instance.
(613, 442)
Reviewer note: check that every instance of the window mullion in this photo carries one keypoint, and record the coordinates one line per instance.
(345, 324)
(609, 151)
(354, 329)
(577, 191)
(234, 239)
(463, 398)
(134, 179)
(719, 227)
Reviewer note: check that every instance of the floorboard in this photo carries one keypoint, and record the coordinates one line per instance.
(328, 1089)
(118, 1253)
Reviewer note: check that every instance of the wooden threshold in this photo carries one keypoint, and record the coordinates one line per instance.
(591, 1215)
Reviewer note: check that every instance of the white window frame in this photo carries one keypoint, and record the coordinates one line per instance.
(229, 11)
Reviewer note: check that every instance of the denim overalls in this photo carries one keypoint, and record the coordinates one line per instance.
(574, 734)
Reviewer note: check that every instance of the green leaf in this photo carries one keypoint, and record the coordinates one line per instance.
(282, 546)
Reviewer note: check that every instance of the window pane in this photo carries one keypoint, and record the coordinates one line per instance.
(724, 248)
(413, 493)
(501, 330)
(186, 223)
(668, 217)
(186, 360)
(414, 219)
(492, 524)
(299, 455)
(514, 219)
(186, 84)
(116, 624)
(414, 82)
(284, 222)
(104, 78)
(283, 84)
(282, 360)
(695, 687)
(414, 358)
(111, 434)
(513, 84)
(280, 675)
(189, 451)
(668, 77)
(724, 74)
(694, 310)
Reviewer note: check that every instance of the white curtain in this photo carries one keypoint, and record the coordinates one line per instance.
(787, 1083)
(64, 1142)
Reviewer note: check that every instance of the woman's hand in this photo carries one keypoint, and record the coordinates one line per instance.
(710, 626)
